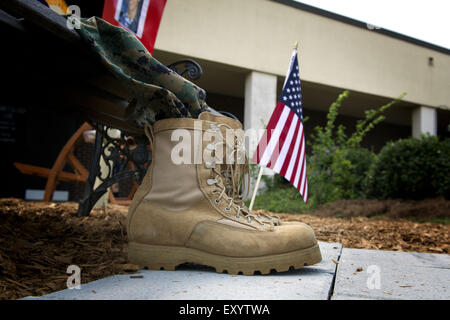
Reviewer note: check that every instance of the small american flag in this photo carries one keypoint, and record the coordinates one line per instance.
(282, 146)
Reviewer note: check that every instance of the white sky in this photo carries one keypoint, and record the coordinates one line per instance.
(425, 20)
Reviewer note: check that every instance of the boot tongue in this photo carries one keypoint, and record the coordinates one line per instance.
(225, 168)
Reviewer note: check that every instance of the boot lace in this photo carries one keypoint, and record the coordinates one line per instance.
(235, 176)
(227, 191)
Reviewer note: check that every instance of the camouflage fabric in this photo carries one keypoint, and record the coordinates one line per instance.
(157, 91)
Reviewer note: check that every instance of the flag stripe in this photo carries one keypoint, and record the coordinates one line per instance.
(298, 180)
(286, 170)
(281, 140)
(299, 150)
(274, 136)
(287, 145)
(305, 194)
(302, 175)
(300, 167)
(262, 145)
(303, 180)
(299, 164)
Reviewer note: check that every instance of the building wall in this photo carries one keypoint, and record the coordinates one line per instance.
(259, 35)
(374, 140)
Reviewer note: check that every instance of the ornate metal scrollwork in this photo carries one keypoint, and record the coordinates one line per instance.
(117, 152)
(191, 68)
(120, 152)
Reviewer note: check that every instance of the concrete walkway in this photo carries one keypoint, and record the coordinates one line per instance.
(359, 274)
(372, 274)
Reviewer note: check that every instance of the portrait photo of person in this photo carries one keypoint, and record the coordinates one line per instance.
(129, 14)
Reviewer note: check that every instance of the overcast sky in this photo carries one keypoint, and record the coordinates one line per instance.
(425, 20)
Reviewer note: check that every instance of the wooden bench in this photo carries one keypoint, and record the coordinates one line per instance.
(42, 49)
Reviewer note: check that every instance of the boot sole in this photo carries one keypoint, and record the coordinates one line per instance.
(168, 258)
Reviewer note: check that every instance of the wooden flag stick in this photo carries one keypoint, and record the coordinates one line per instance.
(258, 180)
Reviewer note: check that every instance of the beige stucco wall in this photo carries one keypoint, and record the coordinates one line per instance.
(259, 35)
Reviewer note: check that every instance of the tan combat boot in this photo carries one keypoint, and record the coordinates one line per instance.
(182, 213)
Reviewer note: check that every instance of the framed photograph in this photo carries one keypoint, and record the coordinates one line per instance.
(140, 17)
(131, 14)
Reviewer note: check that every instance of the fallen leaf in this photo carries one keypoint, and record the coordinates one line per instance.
(130, 267)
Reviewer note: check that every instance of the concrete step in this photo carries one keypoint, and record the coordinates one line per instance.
(360, 274)
(199, 283)
(372, 274)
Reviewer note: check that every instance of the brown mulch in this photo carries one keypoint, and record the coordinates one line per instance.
(380, 234)
(39, 240)
(423, 209)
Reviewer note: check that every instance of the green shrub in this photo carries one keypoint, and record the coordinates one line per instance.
(338, 166)
(341, 174)
(350, 170)
(411, 169)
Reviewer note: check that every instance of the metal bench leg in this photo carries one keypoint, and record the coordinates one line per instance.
(86, 204)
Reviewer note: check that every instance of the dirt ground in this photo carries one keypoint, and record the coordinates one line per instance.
(38, 240)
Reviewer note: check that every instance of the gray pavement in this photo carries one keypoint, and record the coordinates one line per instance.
(359, 274)
(371, 274)
(195, 282)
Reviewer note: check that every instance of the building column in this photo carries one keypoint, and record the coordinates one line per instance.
(424, 120)
(260, 100)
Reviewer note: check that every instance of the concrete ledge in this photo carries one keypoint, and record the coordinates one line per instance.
(200, 283)
(371, 274)
(360, 274)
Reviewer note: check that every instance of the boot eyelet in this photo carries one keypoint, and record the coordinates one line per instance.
(237, 216)
(218, 201)
(209, 165)
(214, 192)
(227, 209)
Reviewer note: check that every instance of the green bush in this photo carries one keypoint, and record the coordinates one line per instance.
(350, 171)
(411, 169)
(338, 166)
(340, 175)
